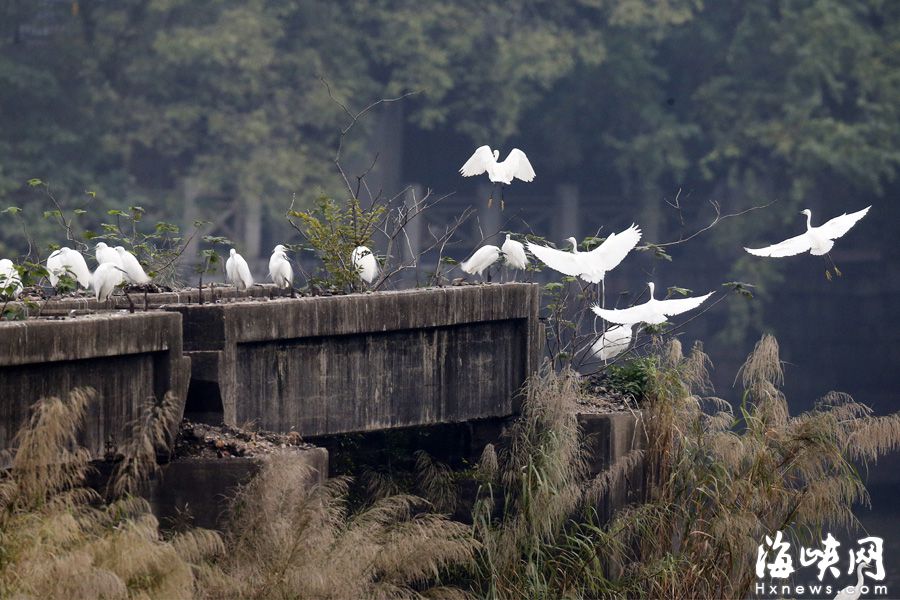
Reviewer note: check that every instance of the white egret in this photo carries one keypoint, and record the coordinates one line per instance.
(10, 282)
(105, 254)
(280, 268)
(66, 261)
(613, 342)
(516, 166)
(652, 311)
(593, 265)
(105, 279)
(483, 258)
(134, 272)
(237, 271)
(514, 253)
(365, 263)
(818, 241)
(853, 592)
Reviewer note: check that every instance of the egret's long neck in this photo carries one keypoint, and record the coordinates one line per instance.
(859, 576)
(652, 286)
(808, 221)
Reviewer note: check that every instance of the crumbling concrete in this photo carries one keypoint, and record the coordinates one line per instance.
(126, 359)
(611, 438)
(326, 365)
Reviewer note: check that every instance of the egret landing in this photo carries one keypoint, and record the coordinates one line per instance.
(818, 241)
(516, 166)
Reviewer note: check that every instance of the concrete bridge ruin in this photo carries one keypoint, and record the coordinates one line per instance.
(317, 366)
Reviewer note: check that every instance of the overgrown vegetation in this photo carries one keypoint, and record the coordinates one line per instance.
(714, 481)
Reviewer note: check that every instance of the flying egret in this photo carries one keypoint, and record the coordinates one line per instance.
(818, 241)
(483, 258)
(105, 279)
(652, 311)
(593, 265)
(280, 268)
(134, 272)
(613, 342)
(516, 166)
(365, 263)
(105, 254)
(237, 271)
(66, 261)
(514, 253)
(10, 282)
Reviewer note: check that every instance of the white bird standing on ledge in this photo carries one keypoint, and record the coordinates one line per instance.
(134, 272)
(652, 311)
(9, 279)
(365, 263)
(516, 166)
(818, 241)
(66, 261)
(105, 254)
(593, 265)
(483, 258)
(105, 279)
(238, 271)
(280, 268)
(514, 254)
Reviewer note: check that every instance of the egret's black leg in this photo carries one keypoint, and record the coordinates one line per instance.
(491, 197)
(834, 266)
(502, 203)
(827, 270)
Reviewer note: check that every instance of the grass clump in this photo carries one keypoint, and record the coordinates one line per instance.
(59, 539)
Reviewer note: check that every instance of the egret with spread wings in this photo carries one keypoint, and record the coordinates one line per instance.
(652, 311)
(593, 265)
(818, 241)
(516, 166)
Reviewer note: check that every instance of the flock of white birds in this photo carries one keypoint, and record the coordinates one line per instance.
(593, 265)
(116, 266)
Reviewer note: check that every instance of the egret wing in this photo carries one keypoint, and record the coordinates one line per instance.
(623, 316)
(243, 271)
(789, 247)
(514, 253)
(518, 166)
(567, 263)
(838, 226)
(681, 305)
(478, 162)
(614, 249)
(55, 267)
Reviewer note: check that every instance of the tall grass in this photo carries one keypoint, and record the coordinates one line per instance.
(58, 539)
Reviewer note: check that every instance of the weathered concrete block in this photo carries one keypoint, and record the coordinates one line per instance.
(610, 438)
(125, 358)
(361, 362)
(202, 488)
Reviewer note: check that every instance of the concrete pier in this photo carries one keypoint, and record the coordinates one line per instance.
(362, 362)
(126, 359)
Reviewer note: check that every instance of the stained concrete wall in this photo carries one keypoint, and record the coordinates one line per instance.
(125, 358)
(326, 365)
(610, 438)
(201, 489)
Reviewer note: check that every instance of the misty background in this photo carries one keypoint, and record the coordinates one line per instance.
(639, 111)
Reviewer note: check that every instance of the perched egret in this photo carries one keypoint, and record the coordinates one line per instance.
(134, 272)
(652, 311)
(10, 282)
(280, 268)
(105, 254)
(365, 263)
(105, 279)
(818, 241)
(516, 166)
(483, 258)
(514, 253)
(593, 265)
(66, 261)
(237, 271)
(613, 342)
